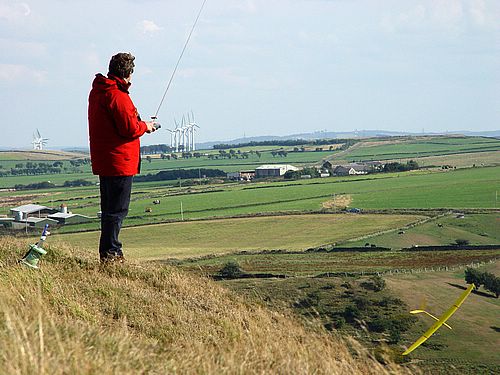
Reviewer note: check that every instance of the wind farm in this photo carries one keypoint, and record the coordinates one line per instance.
(182, 136)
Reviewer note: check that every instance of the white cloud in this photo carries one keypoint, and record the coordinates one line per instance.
(13, 10)
(16, 73)
(148, 27)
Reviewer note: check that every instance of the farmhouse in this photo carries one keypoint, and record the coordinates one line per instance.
(352, 169)
(273, 170)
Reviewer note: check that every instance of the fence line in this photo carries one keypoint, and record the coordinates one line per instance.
(410, 270)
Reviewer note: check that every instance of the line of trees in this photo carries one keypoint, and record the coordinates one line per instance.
(156, 149)
(287, 142)
(31, 168)
(181, 173)
(489, 281)
(399, 167)
(295, 175)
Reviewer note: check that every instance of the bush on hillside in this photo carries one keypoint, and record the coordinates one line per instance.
(489, 281)
(231, 270)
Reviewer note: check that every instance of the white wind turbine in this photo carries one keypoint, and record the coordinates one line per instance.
(38, 141)
(192, 129)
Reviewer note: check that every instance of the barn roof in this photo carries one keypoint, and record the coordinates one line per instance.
(30, 208)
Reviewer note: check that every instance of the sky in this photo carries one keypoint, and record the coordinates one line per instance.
(254, 67)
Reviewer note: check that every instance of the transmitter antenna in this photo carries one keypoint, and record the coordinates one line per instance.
(179, 60)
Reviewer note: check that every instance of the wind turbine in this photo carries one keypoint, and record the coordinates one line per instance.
(173, 136)
(38, 141)
(193, 126)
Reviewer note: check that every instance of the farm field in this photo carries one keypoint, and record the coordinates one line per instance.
(419, 147)
(477, 229)
(465, 160)
(316, 263)
(190, 239)
(278, 227)
(458, 189)
(475, 325)
(40, 155)
(156, 164)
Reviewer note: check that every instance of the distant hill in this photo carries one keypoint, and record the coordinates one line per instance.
(352, 134)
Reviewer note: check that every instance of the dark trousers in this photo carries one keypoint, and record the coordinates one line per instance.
(115, 199)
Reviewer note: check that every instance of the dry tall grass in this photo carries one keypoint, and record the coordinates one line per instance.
(75, 317)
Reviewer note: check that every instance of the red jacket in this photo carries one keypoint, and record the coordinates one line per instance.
(114, 128)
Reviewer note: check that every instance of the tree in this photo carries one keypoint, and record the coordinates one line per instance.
(148, 158)
(486, 279)
(491, 283)
(473, 276)
(231, 270)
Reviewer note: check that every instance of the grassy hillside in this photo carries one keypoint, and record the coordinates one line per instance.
(74, 316)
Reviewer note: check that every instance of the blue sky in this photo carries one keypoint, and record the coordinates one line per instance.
(254, 67)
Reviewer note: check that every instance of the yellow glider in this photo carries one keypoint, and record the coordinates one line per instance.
(440, 321)
(429, 314)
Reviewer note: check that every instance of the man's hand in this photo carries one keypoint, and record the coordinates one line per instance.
(151, 126)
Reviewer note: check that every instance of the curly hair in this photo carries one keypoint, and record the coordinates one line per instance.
(121, 65)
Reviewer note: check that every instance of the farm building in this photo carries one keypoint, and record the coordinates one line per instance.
(242, 175)
(273, 170)
(352, 169)
(35, 222)
(69, 218)
(34, 210)
(6, 222)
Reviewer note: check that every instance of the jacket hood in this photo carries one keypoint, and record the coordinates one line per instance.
(110, 83)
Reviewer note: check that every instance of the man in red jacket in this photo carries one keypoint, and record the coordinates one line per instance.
(114, 130)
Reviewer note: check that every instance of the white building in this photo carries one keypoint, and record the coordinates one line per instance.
(273, 170)
(30, 210)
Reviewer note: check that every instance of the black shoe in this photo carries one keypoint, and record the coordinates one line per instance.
(112, 259)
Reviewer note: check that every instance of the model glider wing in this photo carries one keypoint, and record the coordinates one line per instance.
(429, 314)
(441, 320)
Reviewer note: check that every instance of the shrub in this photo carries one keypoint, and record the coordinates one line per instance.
(461, 242)
(375, 283)
(351, 313)
(231, 270)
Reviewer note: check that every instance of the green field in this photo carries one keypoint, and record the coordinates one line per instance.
(478, 229)
(420, 147)
(156, 165)
(295, 232)
(457, 189)
(473, 341)
(316, 263)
